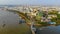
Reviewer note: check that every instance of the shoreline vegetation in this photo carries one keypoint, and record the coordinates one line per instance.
(40, 23)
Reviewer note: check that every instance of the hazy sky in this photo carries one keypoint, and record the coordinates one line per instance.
(30, 2)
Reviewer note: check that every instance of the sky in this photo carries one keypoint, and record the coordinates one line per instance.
(30, 2)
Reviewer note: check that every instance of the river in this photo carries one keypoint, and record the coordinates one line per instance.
(9, 24)
(49, 30)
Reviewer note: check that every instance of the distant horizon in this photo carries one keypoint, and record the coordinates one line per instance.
(31, 2)
(32, 5)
